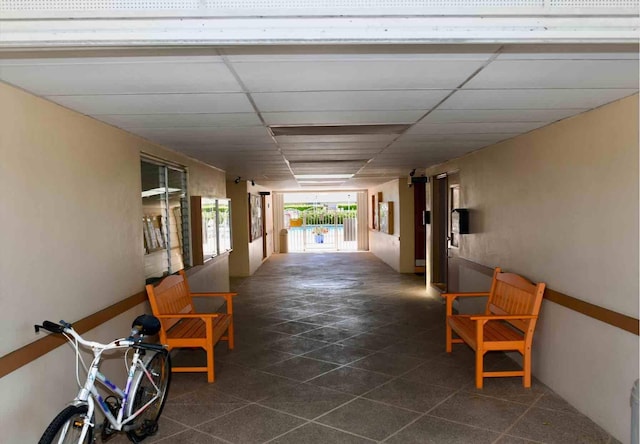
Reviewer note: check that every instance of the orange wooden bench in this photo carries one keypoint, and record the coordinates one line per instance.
(507, 324)
(172, 302)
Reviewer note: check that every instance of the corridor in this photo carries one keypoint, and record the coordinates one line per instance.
(339, 348)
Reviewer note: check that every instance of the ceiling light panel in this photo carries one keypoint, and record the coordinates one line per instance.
(342, 117)
(425, 138)
(337, 130)
(335, 146)
(510, 74)
(348, 100)
(337, 138)
(354, 75)
(534, 98)
(119, 75)
(156, 103)
(180, 120)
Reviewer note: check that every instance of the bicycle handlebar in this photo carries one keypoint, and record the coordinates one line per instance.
(65, 327)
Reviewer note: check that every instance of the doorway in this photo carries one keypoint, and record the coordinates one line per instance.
(445, 243)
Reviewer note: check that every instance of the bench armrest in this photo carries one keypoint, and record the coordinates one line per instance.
(500, 317)
(187, 315)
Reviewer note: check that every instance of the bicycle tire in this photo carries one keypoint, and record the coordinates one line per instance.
(74, 415)
(159, 365)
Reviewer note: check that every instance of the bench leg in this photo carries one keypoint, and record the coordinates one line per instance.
(210, 368)
(479, 368)
(449, 337)
(526, 366)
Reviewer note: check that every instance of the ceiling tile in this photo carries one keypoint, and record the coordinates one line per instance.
(342, 117)
(156, 103)
(474, 128)
(510, 74)
(579, 51)
(208, 136)
(120, 75)
(349, 100)
(354, 75)
(498, 115)
(180, 120)
(533, 98)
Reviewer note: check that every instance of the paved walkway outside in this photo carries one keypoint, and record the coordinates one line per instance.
(339, 348)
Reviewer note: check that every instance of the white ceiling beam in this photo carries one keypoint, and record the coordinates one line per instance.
(91, 33)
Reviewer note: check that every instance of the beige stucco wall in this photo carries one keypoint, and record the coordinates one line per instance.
(560, 205)
(396, 249)
(246, 256)
(71, 241)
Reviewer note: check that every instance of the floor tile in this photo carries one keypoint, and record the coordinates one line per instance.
(388, 363)
(252, 424)
(350, 380)
(191, 437)
(556, 427)
(367, 418)
(550, 400)
(488, 413)
(251, 385)
(292, 327)
(306, 400)
(300, 368)
(318, 434)
(370, 341)
(297, 345)
(428, 430)
(328, 334)
(410, 395)
(200, 406)
(339, 354)
(509, 389)
(256, 358)
(441, 374)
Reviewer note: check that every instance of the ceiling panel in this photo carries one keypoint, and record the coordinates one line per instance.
(180, 120)
(348, 100)
(120, 75)
(156, 103)
(510, 74)
(534, 98)
(252, 135)
(569, 52)
(498, 115)
(342, 117)
(354, 75)
(474, 128)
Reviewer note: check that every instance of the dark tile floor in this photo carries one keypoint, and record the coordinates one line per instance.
(339, 348)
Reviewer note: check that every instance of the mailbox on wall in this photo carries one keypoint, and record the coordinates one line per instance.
(460, 221)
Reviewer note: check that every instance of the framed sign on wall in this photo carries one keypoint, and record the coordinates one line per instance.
(255, 217)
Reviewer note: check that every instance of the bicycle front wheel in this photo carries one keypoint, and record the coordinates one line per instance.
(66, 428)
(145, 388)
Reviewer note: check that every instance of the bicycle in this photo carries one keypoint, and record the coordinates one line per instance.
(148, 379)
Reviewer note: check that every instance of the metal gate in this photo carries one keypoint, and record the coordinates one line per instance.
(319, 229)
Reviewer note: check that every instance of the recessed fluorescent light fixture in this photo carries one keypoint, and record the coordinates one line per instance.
(323, 176)
(317, 130)
(157, 191)
(319, 182)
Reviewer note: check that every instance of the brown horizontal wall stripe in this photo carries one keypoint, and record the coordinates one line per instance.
(627, 323)
(30, 352)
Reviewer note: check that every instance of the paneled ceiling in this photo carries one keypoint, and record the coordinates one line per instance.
(220, 105)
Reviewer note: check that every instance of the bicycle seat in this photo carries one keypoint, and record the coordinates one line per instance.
(146, 324)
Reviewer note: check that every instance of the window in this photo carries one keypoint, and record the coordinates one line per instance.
(165, 219)
(211, 219)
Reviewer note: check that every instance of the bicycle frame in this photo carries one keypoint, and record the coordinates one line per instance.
(88, 393)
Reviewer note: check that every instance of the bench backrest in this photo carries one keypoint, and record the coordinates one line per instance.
(171, 295)
(513, 294)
